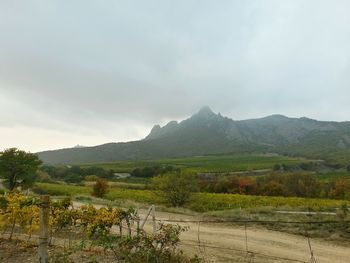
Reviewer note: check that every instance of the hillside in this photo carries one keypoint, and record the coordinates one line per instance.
(208, 133)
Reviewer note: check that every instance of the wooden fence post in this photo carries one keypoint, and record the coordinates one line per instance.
(147, 215)
(137, 219)
(154, 219)
(44, 229)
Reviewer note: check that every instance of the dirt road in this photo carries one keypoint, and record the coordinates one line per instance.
(227, 243)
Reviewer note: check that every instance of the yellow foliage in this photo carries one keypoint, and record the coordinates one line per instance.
(23, 211)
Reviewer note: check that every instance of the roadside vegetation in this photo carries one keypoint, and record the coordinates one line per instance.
(91, 228)
(238, 188)
(199, 202)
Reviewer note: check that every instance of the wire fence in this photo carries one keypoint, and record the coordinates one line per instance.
(248, 254)
(254, 221)
(245, 250)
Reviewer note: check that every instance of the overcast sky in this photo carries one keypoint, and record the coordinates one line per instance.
(91, 72)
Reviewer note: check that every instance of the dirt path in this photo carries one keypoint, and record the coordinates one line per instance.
(229, 242)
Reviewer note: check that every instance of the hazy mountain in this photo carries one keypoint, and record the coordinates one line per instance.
(210, 133)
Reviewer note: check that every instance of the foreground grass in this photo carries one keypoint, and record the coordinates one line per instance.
(200, 202)
(215, 163)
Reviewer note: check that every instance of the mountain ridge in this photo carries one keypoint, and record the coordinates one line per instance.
(209, 133)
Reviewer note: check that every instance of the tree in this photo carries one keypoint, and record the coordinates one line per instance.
(176, 187)
(273, 188)
(247, 185)
(226, 184)
(17, 165)
(100, 188)
(341, 189)
(302, 184)
(73, 178)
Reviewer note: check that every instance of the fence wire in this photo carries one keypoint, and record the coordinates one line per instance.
(249, 254)
(253, 221)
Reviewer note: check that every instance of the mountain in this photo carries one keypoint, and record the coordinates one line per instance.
(209, 133)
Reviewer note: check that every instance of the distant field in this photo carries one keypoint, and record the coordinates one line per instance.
(330, 176)
(217, 163)
(200, 202)
(203, 202)
(61, 189)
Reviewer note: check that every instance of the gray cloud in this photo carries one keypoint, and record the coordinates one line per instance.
(90, 72)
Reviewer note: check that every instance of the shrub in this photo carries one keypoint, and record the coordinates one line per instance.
(151, 171)
(273, 188)
(161, 248)
(100, 188)
(342, 212)
(73, 178)
(43, 177)
(60, 189)
(91, 178)
(176, 187)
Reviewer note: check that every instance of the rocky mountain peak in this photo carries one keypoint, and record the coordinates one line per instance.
(205, 111)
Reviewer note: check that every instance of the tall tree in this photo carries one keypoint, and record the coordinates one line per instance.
(18, 165)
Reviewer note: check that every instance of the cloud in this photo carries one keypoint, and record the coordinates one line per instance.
(107, 71)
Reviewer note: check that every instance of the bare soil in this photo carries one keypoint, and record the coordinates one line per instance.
(223, 242)
(227, 243)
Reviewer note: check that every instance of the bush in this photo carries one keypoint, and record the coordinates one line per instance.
(100, 188)
(343, 212)
(43, 177)
(91, 178)
(73, 178)
(161, 248)
(151, 171)
(60, 189)
(176, 187)
(277, 167)
(341, 189)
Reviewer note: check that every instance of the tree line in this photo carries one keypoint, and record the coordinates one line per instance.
(75, 173)
(20, 168)
(299, 184)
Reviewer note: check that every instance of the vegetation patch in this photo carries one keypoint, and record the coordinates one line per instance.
(56, 189)
(200, 202)
(203, 202)
(212, 163)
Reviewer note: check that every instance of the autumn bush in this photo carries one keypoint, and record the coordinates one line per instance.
(100, 188)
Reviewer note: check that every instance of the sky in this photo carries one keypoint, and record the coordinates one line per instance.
(91, 72)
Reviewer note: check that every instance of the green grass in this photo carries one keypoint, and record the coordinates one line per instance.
(215, 163)
(121, 166)
(331, 176)
(212, 202)
(200, 202)
(122, 185)
(141, 196)
(134, 180)
(61, 189)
